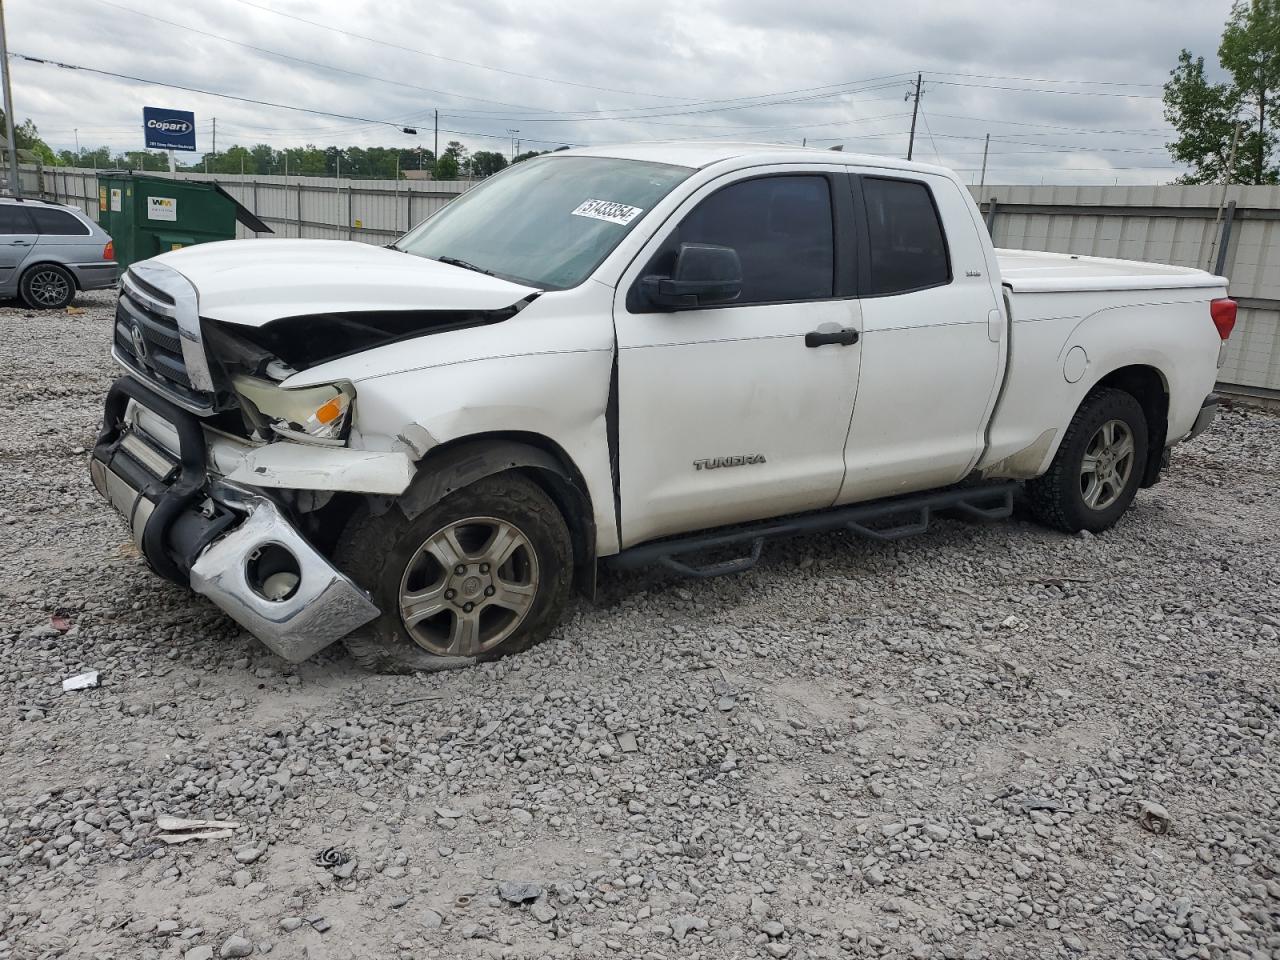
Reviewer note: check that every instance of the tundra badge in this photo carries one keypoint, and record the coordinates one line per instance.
(713, 463)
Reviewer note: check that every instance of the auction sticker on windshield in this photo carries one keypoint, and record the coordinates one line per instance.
(607, 210)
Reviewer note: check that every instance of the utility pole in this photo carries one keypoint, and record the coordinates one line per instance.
(915, 110)
(512, 134)
(15, 184)
(437, 154)
(76, 131)
(985, 147)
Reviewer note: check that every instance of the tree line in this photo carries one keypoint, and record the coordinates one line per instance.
(361, 163)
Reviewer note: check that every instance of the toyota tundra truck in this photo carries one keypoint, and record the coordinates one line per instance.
(652, 354)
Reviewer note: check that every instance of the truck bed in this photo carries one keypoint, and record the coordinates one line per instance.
(1029, 271)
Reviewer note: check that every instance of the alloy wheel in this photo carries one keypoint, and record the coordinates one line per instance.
(1107, 465)
(468, 587)
(49, 288)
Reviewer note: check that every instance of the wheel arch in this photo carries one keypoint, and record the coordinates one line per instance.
(461, 462)
(1150, 387)
(28, 267)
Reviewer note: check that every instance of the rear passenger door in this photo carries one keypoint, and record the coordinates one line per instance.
(17, 240)
(933, 344)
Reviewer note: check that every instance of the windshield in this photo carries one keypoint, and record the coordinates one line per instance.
(545, 222)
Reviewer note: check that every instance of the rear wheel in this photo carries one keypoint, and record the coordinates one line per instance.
(47, 286)
(480, 574)
(1098, 467)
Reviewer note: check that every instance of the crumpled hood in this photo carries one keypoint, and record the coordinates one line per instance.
(252, 282)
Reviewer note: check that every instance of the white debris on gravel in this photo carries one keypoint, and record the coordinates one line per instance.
(939, 748)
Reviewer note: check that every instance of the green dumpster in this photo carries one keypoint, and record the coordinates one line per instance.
(148, 215)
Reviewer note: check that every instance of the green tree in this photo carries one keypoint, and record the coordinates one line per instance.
(485, 163)
(447, 167)
(1206, 114)
(519, 157)
(461, 161)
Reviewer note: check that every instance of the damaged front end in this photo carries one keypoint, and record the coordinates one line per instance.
(236, 484)
(232, 543)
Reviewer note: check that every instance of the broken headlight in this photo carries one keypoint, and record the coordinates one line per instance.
(312, 414)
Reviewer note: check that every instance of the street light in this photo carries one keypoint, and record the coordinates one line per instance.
(513, 143)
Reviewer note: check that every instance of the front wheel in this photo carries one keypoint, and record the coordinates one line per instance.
(1097, 469)
(482, 573)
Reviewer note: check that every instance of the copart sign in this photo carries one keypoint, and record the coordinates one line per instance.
(169, 129)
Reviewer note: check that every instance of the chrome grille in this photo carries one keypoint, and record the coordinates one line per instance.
(157, 336)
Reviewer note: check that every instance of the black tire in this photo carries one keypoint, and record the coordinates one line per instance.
(376, 552)
(47, 286)
(1057, 499)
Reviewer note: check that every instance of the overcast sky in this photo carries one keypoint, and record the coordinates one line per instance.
(578, 73)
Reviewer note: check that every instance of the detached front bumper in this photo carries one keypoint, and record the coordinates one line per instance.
(230, 542)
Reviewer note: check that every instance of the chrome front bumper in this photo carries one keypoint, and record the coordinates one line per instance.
(323, 607)
(213, 535)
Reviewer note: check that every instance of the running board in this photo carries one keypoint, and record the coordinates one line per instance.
(901, 517)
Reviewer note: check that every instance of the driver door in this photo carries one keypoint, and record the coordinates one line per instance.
(725, 413)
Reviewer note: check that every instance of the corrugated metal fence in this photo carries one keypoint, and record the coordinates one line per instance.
(325, 208)
(1174, 224)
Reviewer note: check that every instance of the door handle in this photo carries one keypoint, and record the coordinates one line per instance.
(20, 243)
(845, 336)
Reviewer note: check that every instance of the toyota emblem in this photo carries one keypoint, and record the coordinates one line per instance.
(139, 342)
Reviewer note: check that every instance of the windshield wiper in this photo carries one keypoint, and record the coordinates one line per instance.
(455, 262)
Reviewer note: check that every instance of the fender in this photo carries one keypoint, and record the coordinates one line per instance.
(461, 463)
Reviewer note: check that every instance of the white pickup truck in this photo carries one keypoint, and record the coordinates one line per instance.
(657, 353)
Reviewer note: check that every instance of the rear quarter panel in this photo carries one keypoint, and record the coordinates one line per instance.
(1169, 330)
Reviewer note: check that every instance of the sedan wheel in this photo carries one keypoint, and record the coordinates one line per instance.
(48, 288)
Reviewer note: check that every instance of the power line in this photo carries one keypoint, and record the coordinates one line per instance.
(311, 63)
(251, 100)
(990, 76)
(1064, 93)
(580, 116)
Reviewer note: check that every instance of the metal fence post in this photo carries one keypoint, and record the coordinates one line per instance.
(1225, 239)
(992, 205)
(299, 209)
(255, 205)
(350, 225)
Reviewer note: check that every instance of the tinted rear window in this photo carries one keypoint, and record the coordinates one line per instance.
(57, 223)
(908, 248)
(13, 219)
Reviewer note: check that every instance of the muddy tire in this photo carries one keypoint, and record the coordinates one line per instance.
(480, 574)
(1097, 469)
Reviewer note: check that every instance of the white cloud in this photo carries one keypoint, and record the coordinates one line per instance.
(667, 54)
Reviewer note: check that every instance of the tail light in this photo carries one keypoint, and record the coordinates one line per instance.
(109, 251)
(1224, 316)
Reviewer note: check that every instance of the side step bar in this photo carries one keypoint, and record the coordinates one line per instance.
(879, 520)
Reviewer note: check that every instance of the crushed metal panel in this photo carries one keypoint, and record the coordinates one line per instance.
(296, 466)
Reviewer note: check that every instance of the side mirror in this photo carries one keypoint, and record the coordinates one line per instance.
(704, 275)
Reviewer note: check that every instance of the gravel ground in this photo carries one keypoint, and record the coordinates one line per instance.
(937, 748)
